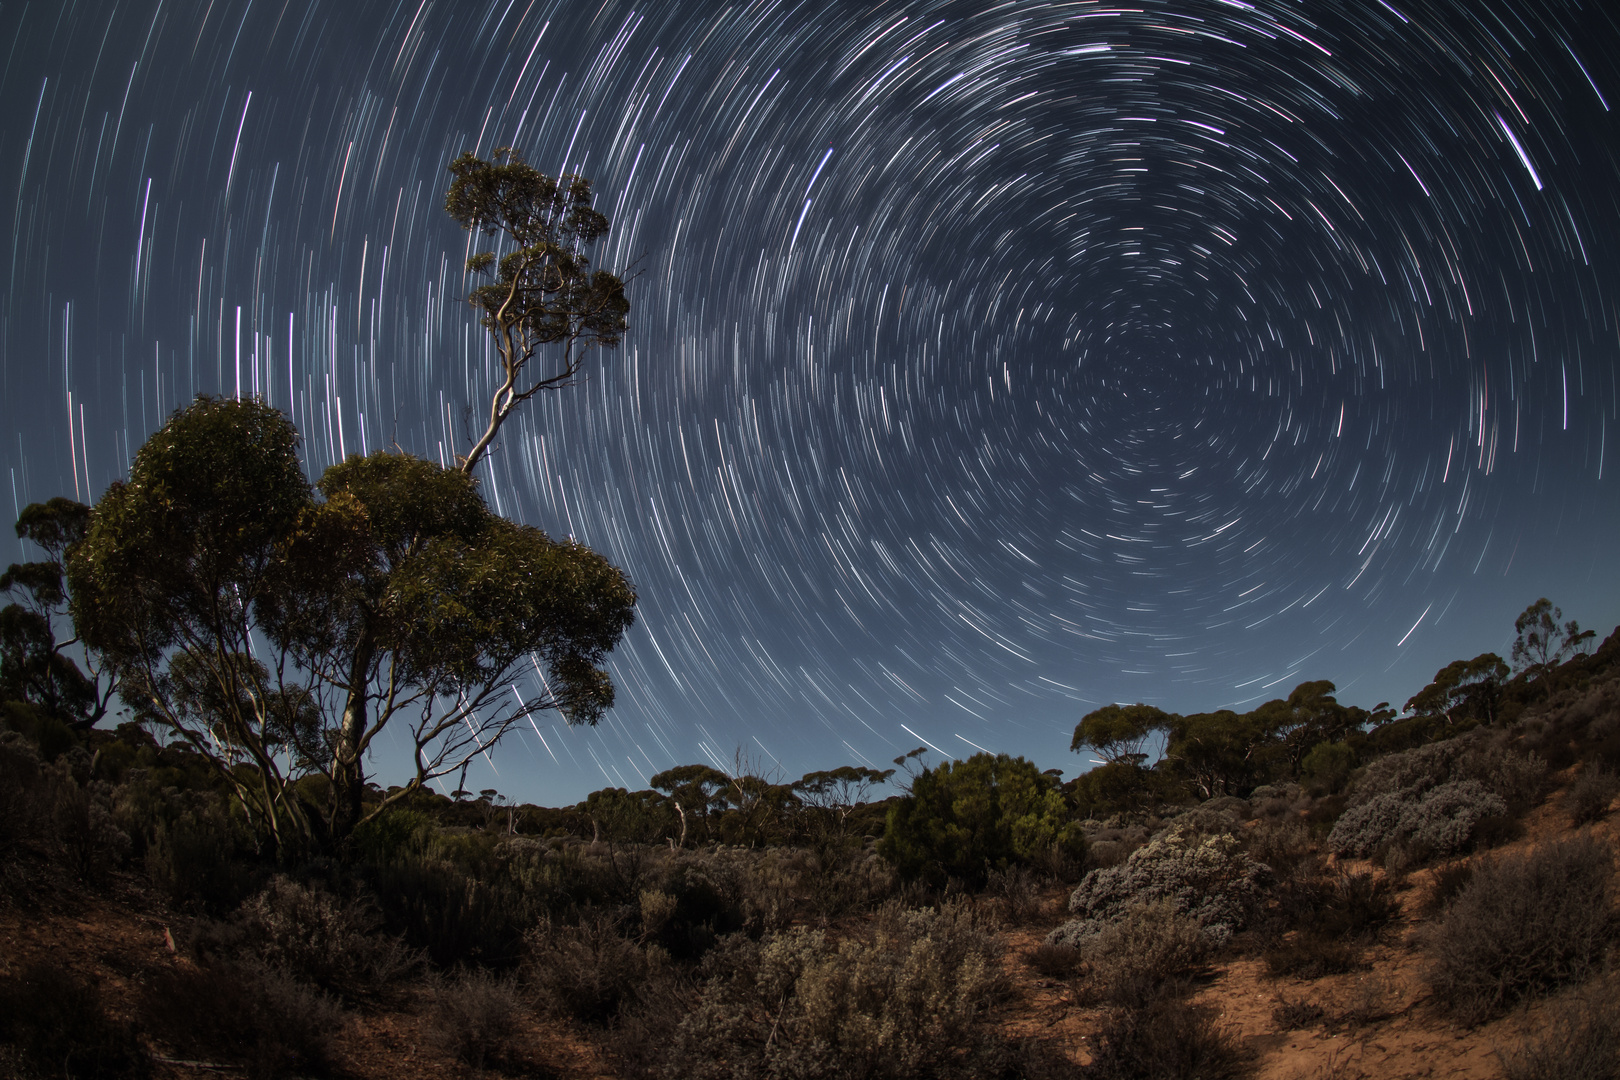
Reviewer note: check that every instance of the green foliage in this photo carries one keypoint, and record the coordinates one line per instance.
(544, 292)
(262, 626)
(1117, 732)
(965, 818)
(1121, 786)
(620, 816)
(36, 677)
(1328, 766)
(1463, 695)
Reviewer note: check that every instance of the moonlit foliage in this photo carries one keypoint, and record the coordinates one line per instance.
(988, 362)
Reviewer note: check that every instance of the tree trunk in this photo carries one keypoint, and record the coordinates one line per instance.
(348, 781)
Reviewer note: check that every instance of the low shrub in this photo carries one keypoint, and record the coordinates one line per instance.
(56, 1026)
(1171, 1039)
(1311, 956)
(1132, 958)
(1588, 798)
(475, 1017)
(1056, 961)
(1354, 905)
(590, 971)
(1523, 925)
(1294, 1014)
(262, 1021)
(1577, 1037)
(313, 936)
(1207, 877)
(1448, 881)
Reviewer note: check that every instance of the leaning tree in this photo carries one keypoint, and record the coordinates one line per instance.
(545, 299)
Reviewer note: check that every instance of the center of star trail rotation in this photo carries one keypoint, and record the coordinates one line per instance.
(987, 362)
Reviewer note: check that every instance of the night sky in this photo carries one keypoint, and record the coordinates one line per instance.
(988, 362)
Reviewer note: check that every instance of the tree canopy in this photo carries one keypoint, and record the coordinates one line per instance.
(279, 631)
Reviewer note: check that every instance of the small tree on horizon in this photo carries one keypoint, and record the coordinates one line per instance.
(1543, 641)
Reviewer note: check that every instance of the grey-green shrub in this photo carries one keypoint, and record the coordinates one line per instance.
(1435, 823)
(1430, 802)
(1208, 877)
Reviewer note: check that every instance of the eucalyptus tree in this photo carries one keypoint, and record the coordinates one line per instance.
(544, 294)
(279, 629)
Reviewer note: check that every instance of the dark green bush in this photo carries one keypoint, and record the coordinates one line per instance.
(262, 1021)
(592, 972)
(311, 935)
(55, 1023)
(1171, 1039)
(966, 818)
(1522, 926)
(476, 1017)
(1310, 956)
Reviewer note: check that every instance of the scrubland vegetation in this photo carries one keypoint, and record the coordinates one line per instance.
(205, 880)
(987, 921)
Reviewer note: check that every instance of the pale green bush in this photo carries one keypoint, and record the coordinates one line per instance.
(1207, 877)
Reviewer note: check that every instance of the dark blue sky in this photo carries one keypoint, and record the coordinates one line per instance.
(988, 362)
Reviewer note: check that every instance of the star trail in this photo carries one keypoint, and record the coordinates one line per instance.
(987, 363)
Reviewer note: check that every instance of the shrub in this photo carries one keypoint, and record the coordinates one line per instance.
(1311, 956)
(900, 1002)
(1056, 961)
(590, 971)
(1523, 925)
(1577, 1038)
(1169, 1040)
(1133, 958)
(1206, 877)
(314, 937)
(1589, 796)
(965, 818)
(199, 858)
(1292, 1014)
(56, 1025)
(262, 1021)
(1428, 822)
(475, 1016)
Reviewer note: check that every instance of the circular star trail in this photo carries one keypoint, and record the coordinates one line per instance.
(988, 362)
